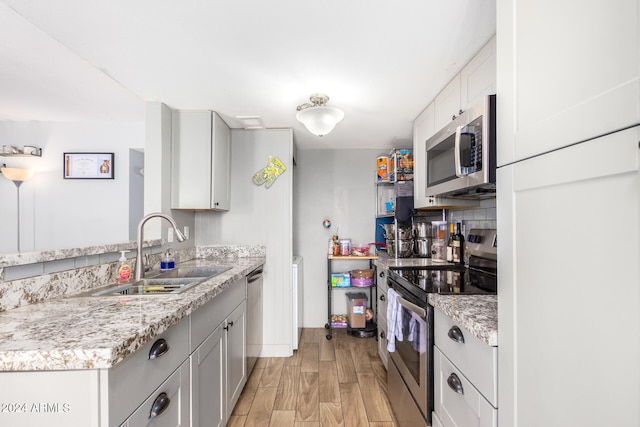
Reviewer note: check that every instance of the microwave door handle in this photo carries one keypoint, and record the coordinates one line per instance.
(412, 307)
(456, 153)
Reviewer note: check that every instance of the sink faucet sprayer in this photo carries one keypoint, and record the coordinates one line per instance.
(139, 262)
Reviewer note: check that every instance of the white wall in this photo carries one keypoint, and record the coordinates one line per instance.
(63, 213)
(337, 185)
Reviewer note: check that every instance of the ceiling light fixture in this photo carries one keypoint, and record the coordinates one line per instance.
(317, 117)
(18, 176)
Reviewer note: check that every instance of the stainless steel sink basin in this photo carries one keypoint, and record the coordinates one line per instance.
(171, 282)
(155, 286)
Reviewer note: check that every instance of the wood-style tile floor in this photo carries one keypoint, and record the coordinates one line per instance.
(339, 382)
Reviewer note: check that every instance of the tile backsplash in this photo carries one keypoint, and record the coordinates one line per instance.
(481, 217)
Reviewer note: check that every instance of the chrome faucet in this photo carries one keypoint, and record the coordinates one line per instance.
(139, 262)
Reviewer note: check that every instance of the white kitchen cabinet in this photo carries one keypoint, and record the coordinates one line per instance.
(447, 103)
(456, 401)
(219, 360)
(200, 161)
(478, 77)
(423, 128)
(465, 376)
(168, 406)
(565, 75)
(475, 80)
(569, 300)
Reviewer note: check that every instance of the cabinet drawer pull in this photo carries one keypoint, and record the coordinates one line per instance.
(159, 348)
(456, 334)
(455, 384)
(382, 334)
(159, 405)
(382, 298)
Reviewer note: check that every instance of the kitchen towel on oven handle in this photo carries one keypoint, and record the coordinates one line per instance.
(394, 320)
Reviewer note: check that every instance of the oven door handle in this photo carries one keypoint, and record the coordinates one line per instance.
(412, 307)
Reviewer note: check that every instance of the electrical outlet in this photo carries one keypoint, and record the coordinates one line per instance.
(186, 231)
(170, 235)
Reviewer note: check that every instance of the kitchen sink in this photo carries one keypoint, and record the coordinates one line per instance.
(155, 286)
(171, 282)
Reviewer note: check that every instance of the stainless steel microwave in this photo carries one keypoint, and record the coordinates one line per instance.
(461, 158)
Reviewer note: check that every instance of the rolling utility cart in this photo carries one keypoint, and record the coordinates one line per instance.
(370, 328)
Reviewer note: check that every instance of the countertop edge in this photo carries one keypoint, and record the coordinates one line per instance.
(476, 313)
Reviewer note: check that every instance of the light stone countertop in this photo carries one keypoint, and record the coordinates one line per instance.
(70, 333)
(476, 313)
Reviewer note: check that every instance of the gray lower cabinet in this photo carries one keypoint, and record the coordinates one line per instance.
(208, 381)
(218, 360)
(381, 312)
(168, 406)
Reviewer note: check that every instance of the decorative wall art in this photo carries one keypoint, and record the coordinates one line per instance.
(88, 165)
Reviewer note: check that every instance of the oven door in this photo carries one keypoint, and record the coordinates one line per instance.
(414, 353)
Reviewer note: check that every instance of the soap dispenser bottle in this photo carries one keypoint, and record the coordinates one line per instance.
(167, 262)
(123, 272)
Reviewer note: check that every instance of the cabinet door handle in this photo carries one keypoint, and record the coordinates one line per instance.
(159, 348)
(382, 298)
(455, 384)
(159, 405)
(382, 335)
(230, 324)
(456, 334)
(382, 274)
(460, 112)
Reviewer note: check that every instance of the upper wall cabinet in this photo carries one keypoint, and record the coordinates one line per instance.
(447, 103)
(477, 79)
(423, 129)
(565, 77)
(200, 161)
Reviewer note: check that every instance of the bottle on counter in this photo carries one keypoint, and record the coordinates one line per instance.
(458, 245)
(123, 271)
(450, 243)
(167, 262)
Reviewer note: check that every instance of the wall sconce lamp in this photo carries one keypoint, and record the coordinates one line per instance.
(18, 176)
(317, 117)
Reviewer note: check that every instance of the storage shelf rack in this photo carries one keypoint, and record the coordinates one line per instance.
(372, 290)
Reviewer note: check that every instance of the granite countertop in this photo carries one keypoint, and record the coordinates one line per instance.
(86, 332)
(476, 313)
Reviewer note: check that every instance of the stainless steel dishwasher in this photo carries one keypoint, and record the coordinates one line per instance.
(254, 317)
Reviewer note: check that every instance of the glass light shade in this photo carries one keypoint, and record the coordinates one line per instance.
(320, 120)
(17, 174)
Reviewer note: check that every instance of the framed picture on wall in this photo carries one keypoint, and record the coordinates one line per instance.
(88, 166)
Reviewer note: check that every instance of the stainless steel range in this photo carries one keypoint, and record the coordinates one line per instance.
(411, 370)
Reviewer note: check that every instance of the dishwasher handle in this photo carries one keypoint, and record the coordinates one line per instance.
(255, 274)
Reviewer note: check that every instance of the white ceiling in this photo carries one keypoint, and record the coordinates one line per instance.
(380, 61)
